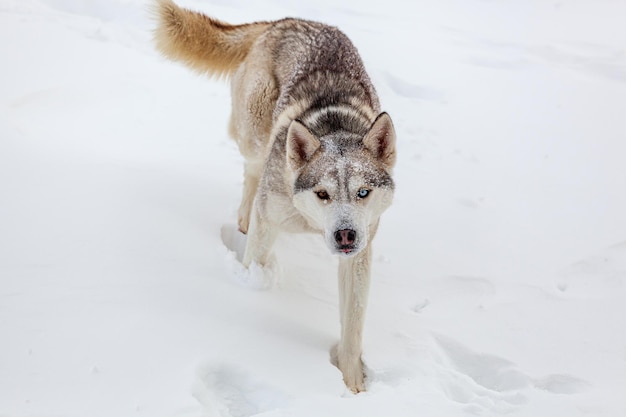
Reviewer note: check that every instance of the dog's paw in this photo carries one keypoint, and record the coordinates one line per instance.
(244, 222)
(351, 369)
(355, 382)
(257, 277)
(262, 277)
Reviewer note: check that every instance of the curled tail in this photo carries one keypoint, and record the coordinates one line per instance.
(202, 43)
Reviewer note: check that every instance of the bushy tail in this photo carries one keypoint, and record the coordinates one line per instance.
(202, 43)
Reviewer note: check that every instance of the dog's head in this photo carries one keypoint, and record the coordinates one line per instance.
(342, 181)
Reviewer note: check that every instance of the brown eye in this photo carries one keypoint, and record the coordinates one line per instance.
(322, 195)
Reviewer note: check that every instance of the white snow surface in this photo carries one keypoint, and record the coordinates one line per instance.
(499, 282)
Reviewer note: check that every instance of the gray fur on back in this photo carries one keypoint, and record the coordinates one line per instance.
(318, 60)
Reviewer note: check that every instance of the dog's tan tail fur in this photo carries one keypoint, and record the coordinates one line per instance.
(202, 43)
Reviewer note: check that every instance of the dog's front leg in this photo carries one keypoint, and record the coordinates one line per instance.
(354, 281)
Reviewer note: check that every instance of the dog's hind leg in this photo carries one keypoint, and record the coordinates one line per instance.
(250, 184)
(253, 97)
(354, 282)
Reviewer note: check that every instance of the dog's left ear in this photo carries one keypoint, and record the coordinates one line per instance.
(301, 145)
(381, 140)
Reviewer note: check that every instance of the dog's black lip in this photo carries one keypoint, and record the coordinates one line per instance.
(346, 249)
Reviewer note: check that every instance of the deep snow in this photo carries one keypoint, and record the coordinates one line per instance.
(499, 283)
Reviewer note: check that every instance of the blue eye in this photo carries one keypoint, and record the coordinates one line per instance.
(363, 192)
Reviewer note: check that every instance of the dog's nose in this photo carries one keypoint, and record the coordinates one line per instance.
(345, 237)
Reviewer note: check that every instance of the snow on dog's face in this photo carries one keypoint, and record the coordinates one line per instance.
(342, 182)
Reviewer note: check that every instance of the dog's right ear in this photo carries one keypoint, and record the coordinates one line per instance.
(301, 145)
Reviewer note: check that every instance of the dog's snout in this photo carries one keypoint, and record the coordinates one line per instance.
(345, 237)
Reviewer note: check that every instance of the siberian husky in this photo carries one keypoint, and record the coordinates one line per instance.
(318, 151)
